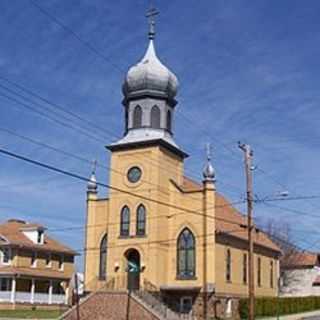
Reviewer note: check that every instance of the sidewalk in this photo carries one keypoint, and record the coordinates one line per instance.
(299, 316)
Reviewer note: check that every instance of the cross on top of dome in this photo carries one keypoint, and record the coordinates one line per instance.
(151, 14)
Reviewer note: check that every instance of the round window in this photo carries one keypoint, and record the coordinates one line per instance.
(134, 174)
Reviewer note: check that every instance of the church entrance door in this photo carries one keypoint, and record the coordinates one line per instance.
(133, 259)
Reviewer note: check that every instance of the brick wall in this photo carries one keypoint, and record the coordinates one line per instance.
(111, 306)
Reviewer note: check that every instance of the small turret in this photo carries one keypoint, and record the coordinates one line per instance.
(208, 170)
(92, 186)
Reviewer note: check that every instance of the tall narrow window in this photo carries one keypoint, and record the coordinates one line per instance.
(186, 255)
(141, 220)
(126, 120)
(137, 117)
(155, 117)
(6, 255)
(244, 269)
(103, 258)
(228, 266)
(125, 221)
(169, 121)
(271, 274)
(259, 272)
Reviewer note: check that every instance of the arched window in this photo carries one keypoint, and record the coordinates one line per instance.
(169, 121)
(259, 272)
(103, 258)
(155, 117)
(125, 221)
(186, 254)
(228, 266)
(137, 117)
(141, 220)
(271, 274)
(126, 120)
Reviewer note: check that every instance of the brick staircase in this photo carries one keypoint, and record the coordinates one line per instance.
(109, 303)
(159, 307)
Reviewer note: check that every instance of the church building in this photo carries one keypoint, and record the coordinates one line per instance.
(159, 231)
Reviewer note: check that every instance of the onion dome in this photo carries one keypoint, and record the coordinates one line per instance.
(151, 77)
(92, 186)
(208, 170)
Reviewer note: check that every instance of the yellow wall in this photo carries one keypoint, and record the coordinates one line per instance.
(164, 223)
(236, 285)
(23, 259)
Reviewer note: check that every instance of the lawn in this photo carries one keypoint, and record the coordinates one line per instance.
(30, 314)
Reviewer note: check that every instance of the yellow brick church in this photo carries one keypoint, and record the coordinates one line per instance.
(159, 231)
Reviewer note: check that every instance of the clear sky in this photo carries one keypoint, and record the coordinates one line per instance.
(249, 71)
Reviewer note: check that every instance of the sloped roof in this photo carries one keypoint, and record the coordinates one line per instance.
(300, 259)
(29, 272)
(11, 233)
(228, 219)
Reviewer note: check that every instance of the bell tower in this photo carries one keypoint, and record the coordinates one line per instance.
(144, 162)
(149, 91)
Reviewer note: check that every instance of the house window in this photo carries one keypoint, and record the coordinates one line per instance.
(103, 258)
(244, 268)
(40, 237)
(141, 220)
(259, 272)
(33, 259)
(169, 121)
(6, 255)
(228, 266)
(61, 263)
(137, 117)
(271, 274)
(186, 255)
(5, 284)
(48, 260)
(125, 222)
(155, 117)
(186, 305)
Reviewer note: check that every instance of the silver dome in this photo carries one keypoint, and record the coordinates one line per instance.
(150, 77)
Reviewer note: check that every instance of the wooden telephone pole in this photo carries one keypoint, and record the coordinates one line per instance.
(248, 154)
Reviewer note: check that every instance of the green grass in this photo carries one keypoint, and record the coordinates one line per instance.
(30, 314)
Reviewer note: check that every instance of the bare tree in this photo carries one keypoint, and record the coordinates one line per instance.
(280, 233)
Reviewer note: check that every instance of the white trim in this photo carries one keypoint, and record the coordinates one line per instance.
(13, 290)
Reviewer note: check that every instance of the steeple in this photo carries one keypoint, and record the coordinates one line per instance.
(92, 187)
(208, 170)
(149, 91)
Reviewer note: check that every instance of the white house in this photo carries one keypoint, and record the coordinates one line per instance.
(300, 275)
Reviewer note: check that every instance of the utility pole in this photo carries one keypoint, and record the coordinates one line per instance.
(248, 154)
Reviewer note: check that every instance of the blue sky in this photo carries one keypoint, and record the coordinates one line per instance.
(248, 71)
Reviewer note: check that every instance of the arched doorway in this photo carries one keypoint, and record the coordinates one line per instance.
(133, 269)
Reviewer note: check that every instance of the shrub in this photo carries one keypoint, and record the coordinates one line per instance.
(269, 307)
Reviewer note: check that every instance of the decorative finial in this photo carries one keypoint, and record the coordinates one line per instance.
(208, 171)
(151, 13)
(92, 183)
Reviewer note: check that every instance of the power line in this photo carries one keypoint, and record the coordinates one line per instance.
(87, 44)
(82, 178)
(43, 114)
(66, 110)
